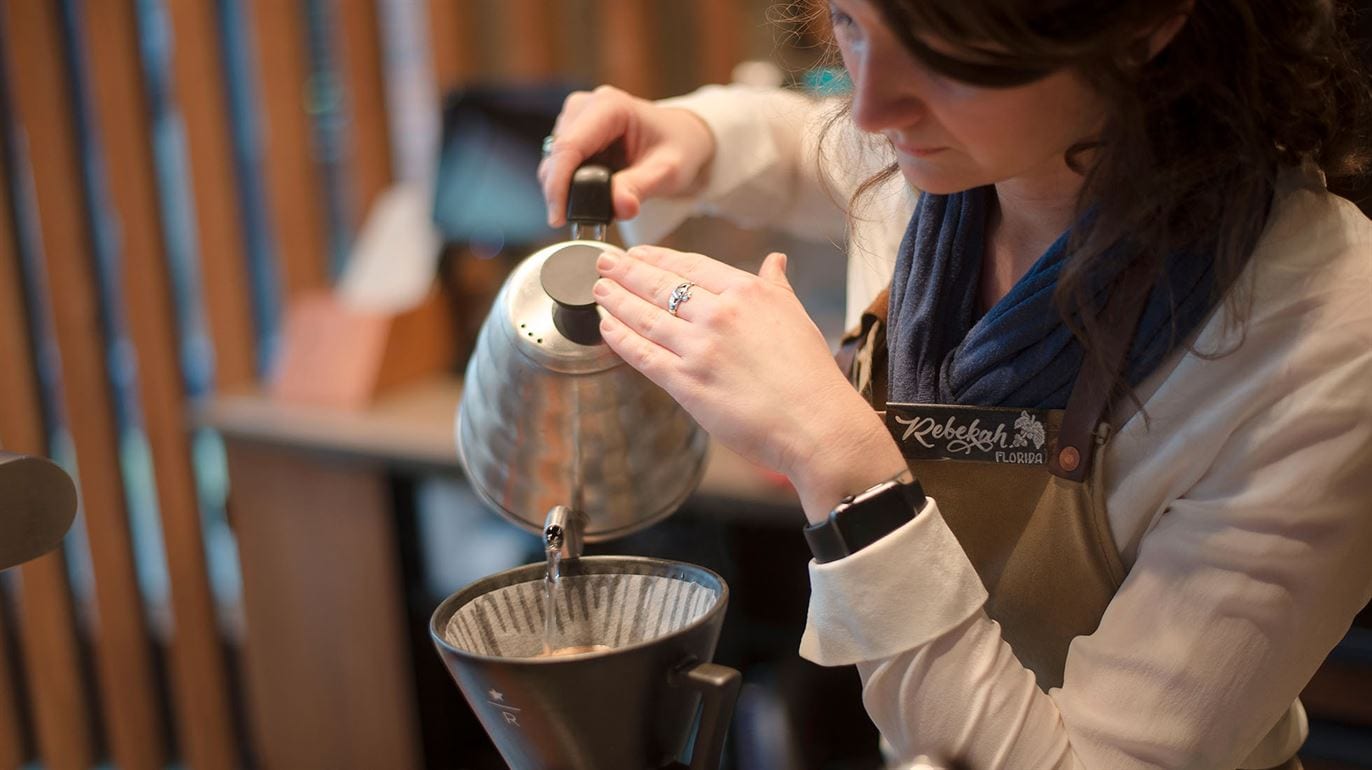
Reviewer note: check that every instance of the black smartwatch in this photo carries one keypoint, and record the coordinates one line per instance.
(862, 519)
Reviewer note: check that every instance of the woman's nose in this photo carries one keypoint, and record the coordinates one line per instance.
(885, 94)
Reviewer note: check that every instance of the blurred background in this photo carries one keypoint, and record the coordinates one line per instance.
(244, 248)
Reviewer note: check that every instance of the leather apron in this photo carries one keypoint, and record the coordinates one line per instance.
(1021, 489)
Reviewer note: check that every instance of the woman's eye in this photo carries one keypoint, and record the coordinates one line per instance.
(840, 20)
(846, 30)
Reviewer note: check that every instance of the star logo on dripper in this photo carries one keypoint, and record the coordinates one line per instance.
(506, 711)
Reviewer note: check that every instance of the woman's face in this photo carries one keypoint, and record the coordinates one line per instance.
(950, 136)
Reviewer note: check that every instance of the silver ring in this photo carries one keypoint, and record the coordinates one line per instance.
(548, 145)
(679, 295)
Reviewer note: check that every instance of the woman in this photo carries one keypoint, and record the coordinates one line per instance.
(1125, 353)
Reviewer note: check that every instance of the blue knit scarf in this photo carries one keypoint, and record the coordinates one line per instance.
(1020, 353)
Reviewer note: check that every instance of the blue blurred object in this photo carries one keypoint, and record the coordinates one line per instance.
(828, 81)
(330, 114)
(487, 188)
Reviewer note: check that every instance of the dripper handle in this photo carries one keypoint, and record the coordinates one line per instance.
(718, 687)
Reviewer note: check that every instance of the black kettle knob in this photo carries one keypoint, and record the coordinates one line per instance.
(568, 275)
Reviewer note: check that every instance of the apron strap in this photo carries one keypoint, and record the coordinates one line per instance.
(861, 354)
(1098, 381)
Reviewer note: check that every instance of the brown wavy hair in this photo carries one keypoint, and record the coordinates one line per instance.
(1194, 137)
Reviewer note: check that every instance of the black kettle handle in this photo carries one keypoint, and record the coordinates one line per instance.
(588, 200)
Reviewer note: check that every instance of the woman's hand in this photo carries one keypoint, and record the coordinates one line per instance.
(744, 358)
(665, 149)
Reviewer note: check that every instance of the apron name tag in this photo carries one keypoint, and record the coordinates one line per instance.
(984, 434)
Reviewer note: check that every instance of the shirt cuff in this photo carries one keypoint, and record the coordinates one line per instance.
(899, 593)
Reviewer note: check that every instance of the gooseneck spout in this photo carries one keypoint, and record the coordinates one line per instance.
(563, 530)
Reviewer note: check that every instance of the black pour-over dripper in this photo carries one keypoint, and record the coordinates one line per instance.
(632, 706)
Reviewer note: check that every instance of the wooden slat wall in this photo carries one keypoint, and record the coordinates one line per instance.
(59, 708)
(199, 672)
(626, 46)
(293, 183)
(11, 731)
(198, 76)
(19, 383)
(721, 26)
(450, 40)
(369, 156)
(61, 705)
(12, 348)
(533, 43)
(123, 653)
(529, 48)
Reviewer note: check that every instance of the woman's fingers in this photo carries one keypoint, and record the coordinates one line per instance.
(630, 187)
(577, 137)
(649, 282)
(573, 105)
(696, 268)
(648, 320)
(774, 269)
(647, 357)
(665, 149)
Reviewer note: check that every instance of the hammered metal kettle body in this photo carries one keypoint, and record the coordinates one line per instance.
(550, 416)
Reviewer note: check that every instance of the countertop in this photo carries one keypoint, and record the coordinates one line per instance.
(411, 427)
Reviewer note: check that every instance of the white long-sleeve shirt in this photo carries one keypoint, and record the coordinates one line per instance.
(1240, 499)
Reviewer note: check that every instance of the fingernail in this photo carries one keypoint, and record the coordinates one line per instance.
(601, 288)
(606, 261)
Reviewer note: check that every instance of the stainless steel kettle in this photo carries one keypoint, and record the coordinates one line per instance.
(553, 426)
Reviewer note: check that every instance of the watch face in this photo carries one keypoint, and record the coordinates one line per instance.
(873, 514)
(875, 492)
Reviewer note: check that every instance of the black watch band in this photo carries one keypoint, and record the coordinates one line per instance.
(862, 519)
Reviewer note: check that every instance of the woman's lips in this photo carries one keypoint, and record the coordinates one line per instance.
(918, 152)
